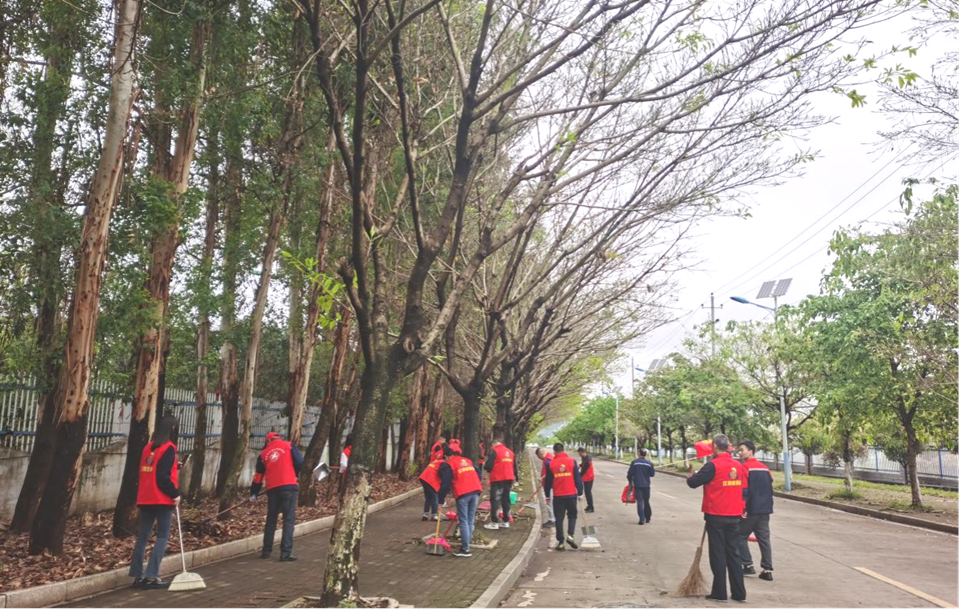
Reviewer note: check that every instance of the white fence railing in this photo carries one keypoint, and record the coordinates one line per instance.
(109, 415)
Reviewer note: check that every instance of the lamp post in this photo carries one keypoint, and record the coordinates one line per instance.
(766, 291)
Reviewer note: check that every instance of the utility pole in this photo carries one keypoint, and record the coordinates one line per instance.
(713, 325)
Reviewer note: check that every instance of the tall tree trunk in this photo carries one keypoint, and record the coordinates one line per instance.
(203, 322)
(248, 384)
(401, 445)
(471, 423)
(52, 96)
(46, 532)
(913, 450)
(299, 382)
(229, 382)
(328, 410)
(847, 463)
(343, 559)
(163, 251)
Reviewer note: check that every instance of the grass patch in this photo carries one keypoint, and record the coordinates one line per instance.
(863, 484)
(845, 494)
(903, 506)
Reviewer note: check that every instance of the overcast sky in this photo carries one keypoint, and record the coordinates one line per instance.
(852, 181)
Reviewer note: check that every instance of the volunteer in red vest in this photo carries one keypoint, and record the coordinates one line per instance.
(345, 455)
(545, 457)
(756, 516)
(430, 481)
(157, 494)
(460, 475)
(563, 480)
(501, 464)
(725, 482)
(277, 468)
(436, 452)
(587, 475)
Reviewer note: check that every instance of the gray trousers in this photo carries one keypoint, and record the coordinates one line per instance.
(759, 525)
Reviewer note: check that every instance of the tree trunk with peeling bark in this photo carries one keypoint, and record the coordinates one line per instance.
(52, 92)
(199, 454)
(175, 172)
(248, 384)
(46, 532)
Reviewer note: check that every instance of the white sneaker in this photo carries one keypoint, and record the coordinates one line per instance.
(504, 525)
(493, 526)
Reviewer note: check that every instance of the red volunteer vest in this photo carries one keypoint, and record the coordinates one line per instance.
(723, 496)
(588, 475)
(465, 478)
(543, 467)
(278, 461)
(431, 475)
(564, 484)
(502, 464)
(148, 493)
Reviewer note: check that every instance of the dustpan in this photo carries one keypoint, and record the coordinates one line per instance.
(321, 472)
(437, 545)
(185, 580)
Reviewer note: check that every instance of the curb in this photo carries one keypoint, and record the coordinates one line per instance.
(501, 586)
(89, 585)
(859, 511)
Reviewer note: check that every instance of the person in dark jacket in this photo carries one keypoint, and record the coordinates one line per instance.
(563, 481)
(545, 457)
(587, 474)
(158, 494)
(724, 481)
(638, 477)
(756, 517)
(279, 464)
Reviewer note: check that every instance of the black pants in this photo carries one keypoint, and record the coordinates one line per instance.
(723, 533)
(500, 500)
(285, 501)
(759, 525)
(643, 502)
(430, 500)
(565, 507)
(588, 493)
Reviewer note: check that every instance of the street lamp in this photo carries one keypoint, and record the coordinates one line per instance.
(775, 289)
(657, 363)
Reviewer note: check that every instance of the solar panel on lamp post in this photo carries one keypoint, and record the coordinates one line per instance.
(776, 289)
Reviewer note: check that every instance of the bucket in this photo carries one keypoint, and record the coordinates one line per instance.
(513, 498)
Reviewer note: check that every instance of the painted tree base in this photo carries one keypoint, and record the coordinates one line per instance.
(366, 602)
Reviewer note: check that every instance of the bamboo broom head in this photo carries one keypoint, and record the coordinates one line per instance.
(694, 583)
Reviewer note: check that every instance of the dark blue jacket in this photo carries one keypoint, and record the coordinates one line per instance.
(640, 472)
(760, 499)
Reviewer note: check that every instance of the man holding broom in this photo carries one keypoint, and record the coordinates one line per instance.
(724, 482)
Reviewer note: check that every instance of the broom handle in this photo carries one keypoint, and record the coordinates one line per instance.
(437, 534)
(183, 558)
(703, 536)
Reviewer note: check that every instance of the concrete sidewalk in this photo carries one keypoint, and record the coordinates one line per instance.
(393, 563)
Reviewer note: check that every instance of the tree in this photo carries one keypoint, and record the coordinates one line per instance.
(73, 385)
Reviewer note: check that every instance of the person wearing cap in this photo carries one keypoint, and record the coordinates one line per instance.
(436, 451)
(278, 467)
(461, 476)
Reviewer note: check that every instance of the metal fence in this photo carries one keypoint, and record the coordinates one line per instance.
(939, 463)
(110, 411)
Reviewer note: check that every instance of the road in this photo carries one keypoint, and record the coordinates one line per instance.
(816, 553)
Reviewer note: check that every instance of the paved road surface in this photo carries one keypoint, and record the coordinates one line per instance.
(815, 552)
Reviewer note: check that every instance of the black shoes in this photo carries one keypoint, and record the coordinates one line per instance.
(549, 524)
(264, 555)
(749, 570)
(589, 509)
(640, 521)
(138, 583)
(155, 584)
(461, 553)
(715, 599)
(573, 544)
(560, 547)
(766, 575)
(288, 558)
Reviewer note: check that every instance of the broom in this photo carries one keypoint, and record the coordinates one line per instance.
(185, 580)
(694, 584)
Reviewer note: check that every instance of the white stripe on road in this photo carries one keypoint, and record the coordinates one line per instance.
(918, 593)
(666, 495)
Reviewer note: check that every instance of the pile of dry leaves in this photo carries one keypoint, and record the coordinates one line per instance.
(89, 546)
